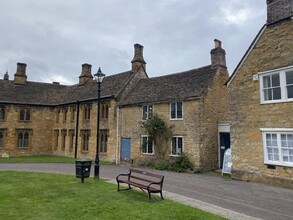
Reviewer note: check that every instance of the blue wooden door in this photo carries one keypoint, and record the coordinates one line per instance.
(125, 149)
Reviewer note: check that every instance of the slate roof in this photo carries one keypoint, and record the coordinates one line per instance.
(179, 86)
(36, 93)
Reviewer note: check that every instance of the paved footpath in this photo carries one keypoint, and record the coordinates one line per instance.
(230, 198)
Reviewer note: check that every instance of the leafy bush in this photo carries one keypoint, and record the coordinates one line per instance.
(162, 165)
(181, 164)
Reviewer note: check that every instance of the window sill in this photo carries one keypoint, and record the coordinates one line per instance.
(24, 121)
(276, 101)
(148, 154)
(22, 148)
(279, 164)
(176, 119)
(175, 155)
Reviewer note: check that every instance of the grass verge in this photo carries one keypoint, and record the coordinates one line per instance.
(42, 159)
(26, 195)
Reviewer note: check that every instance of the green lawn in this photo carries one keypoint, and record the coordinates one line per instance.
(26, 195)
(38, 159)
(42, 159)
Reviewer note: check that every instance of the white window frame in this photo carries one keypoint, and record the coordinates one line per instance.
(141, 141)
(177, 154)
(148, 116)
(176, 111)
(278, 132)
(283, 85)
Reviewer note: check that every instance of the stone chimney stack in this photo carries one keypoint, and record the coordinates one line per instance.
(20, 76)
(86, 74)
(218, 54)
(138, 60)
(278, 10)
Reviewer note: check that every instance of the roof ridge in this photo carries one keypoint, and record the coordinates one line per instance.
(178, 73)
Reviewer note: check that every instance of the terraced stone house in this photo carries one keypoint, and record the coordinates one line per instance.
(261, 102)
(41, 118)
(193, 102)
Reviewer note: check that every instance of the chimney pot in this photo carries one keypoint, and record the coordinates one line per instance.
(218, 43)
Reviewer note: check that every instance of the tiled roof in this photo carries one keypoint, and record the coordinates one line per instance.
(36, 93)
(178, 86)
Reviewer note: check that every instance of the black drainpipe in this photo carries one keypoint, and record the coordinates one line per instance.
(76, 129)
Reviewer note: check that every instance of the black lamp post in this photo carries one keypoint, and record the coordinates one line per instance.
(99, 76)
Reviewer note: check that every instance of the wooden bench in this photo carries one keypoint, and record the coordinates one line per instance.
(150, 182)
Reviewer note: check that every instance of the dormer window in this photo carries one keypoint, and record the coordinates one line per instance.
(276, 85)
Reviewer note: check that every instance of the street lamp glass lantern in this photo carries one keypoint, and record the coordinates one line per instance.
(99, 76)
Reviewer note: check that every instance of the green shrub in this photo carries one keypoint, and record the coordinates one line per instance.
(162, 165)
(181, 164)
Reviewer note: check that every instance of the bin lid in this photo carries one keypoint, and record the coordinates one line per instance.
(83, 161)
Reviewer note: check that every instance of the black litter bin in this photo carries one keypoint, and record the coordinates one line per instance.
(83, 169)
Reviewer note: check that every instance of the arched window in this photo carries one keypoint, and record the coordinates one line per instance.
(22, 139)
(104, 141)
(25, 142)
(1, 139)
(2, 114)
(19, 140)
(86, 138)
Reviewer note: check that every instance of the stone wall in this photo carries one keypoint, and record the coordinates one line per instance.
(273, 50)
(90, 125)
(130, 127)
(213, 108)
(39, 128)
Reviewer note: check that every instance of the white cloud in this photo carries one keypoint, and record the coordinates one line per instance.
(56, 37)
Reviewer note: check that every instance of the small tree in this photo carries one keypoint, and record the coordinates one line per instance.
(161, 133)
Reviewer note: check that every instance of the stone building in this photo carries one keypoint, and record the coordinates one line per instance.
(261, 107)
(193, 102)
(41, 118)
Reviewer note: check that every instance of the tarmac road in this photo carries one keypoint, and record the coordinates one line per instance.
(230, 198)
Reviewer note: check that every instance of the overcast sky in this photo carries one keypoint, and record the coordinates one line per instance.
(55, 37)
